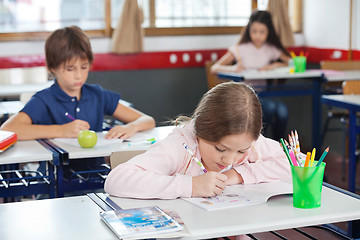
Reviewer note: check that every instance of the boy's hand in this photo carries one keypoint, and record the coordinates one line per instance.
(121, 131)
(72, 129)
(208, 185)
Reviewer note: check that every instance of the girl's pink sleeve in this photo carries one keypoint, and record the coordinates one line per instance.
(153, 174)
(266, 162)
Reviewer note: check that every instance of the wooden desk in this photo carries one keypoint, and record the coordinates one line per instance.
(17, 90)
(21, 185)
(278, 213)
(78, 217)
(15, 81)
(290, 89)
(9, 108)
(352, 104)
(337, 76)
(76, 152)
(69, 152)
(24, 152)
(56, 219)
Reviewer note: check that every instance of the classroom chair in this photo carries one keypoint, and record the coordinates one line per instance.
(212, 79)
(335, 88)
(117, 158)
(348, 87)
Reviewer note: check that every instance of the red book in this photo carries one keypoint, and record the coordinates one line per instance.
(7, 138)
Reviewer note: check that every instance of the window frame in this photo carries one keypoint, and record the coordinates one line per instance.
(149, 31)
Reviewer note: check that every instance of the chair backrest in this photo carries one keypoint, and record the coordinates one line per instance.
(336, 87)
(340, 65)
(212, 79)
(123, 156)
(351, 87)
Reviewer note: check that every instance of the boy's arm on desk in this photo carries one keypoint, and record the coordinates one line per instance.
(22, 125)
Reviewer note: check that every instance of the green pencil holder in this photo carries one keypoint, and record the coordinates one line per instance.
(307, 185)
(299, 63)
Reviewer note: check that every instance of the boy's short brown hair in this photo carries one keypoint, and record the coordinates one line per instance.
(65, 44)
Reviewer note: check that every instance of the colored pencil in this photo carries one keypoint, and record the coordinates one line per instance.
(293, 159)
(292, 54)
(307, 161)
(195, 158)
(312, 157)
(286, 150)
(322, 156)
(69, 116)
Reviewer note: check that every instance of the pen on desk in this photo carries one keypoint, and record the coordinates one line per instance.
(142, 143)
(322, 156)
(195, 158)
(312, 157)
(69, 116)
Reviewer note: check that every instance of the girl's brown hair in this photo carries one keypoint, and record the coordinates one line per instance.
(229, 108)
(65, 44)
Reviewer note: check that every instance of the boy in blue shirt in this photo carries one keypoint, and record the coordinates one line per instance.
(69, 58)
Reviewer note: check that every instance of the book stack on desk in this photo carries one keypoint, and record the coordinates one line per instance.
(7, 139)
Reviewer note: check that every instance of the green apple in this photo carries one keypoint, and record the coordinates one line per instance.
(87, 138)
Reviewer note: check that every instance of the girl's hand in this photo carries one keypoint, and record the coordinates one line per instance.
(121, 131)
(267, 67)
(208, 185)
(238, 67)
(233, 177)
(72, 129)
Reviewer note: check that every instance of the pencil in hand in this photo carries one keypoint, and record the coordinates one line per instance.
(195, 158)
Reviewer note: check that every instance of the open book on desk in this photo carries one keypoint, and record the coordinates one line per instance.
(138, 138)
(101, 140)
(243, 195)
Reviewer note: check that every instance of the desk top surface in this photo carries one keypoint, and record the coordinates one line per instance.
(62, 218)
(278, 213)
(76, 152)
(18, 89)
(78, 217)
(10, 107)
(335, 76)
(272, 74)
(353, 100)
(25, 151)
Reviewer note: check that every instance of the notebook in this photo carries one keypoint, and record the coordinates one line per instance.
(7, 139)
(241, 195)
(142, 222)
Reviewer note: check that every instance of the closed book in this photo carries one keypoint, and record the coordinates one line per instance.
(7, 138)
(142, 222)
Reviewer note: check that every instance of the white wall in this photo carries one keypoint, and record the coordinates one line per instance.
(151, 44)
(326, 23)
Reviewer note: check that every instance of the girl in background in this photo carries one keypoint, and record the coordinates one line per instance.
(259, 48)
